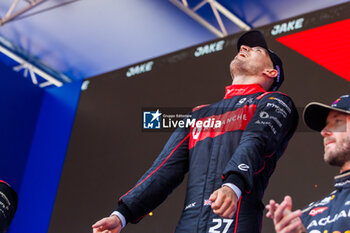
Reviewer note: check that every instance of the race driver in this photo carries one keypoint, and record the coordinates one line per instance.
(230, 163)
(332, 213)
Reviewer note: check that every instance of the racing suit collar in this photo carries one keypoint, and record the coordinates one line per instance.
(342, 180)
(242, 89)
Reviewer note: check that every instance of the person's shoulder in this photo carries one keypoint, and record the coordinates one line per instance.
(276, 97)
(274, 94)
(324, 202)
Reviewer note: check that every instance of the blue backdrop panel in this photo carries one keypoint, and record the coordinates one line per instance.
(46, 158)
(20, 103)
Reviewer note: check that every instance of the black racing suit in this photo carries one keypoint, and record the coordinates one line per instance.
(8, 205)
(254, 131)
(332, 213)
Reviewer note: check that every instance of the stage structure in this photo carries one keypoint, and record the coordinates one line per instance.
(112, 143)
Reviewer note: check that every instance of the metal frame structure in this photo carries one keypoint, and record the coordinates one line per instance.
(216, 8)
(38, 75)
(11, 14)
(32, 69)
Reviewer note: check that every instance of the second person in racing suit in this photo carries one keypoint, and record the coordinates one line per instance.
(229, 149)
(332, 213)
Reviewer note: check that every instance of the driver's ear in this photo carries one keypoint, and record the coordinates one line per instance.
(271, 73)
